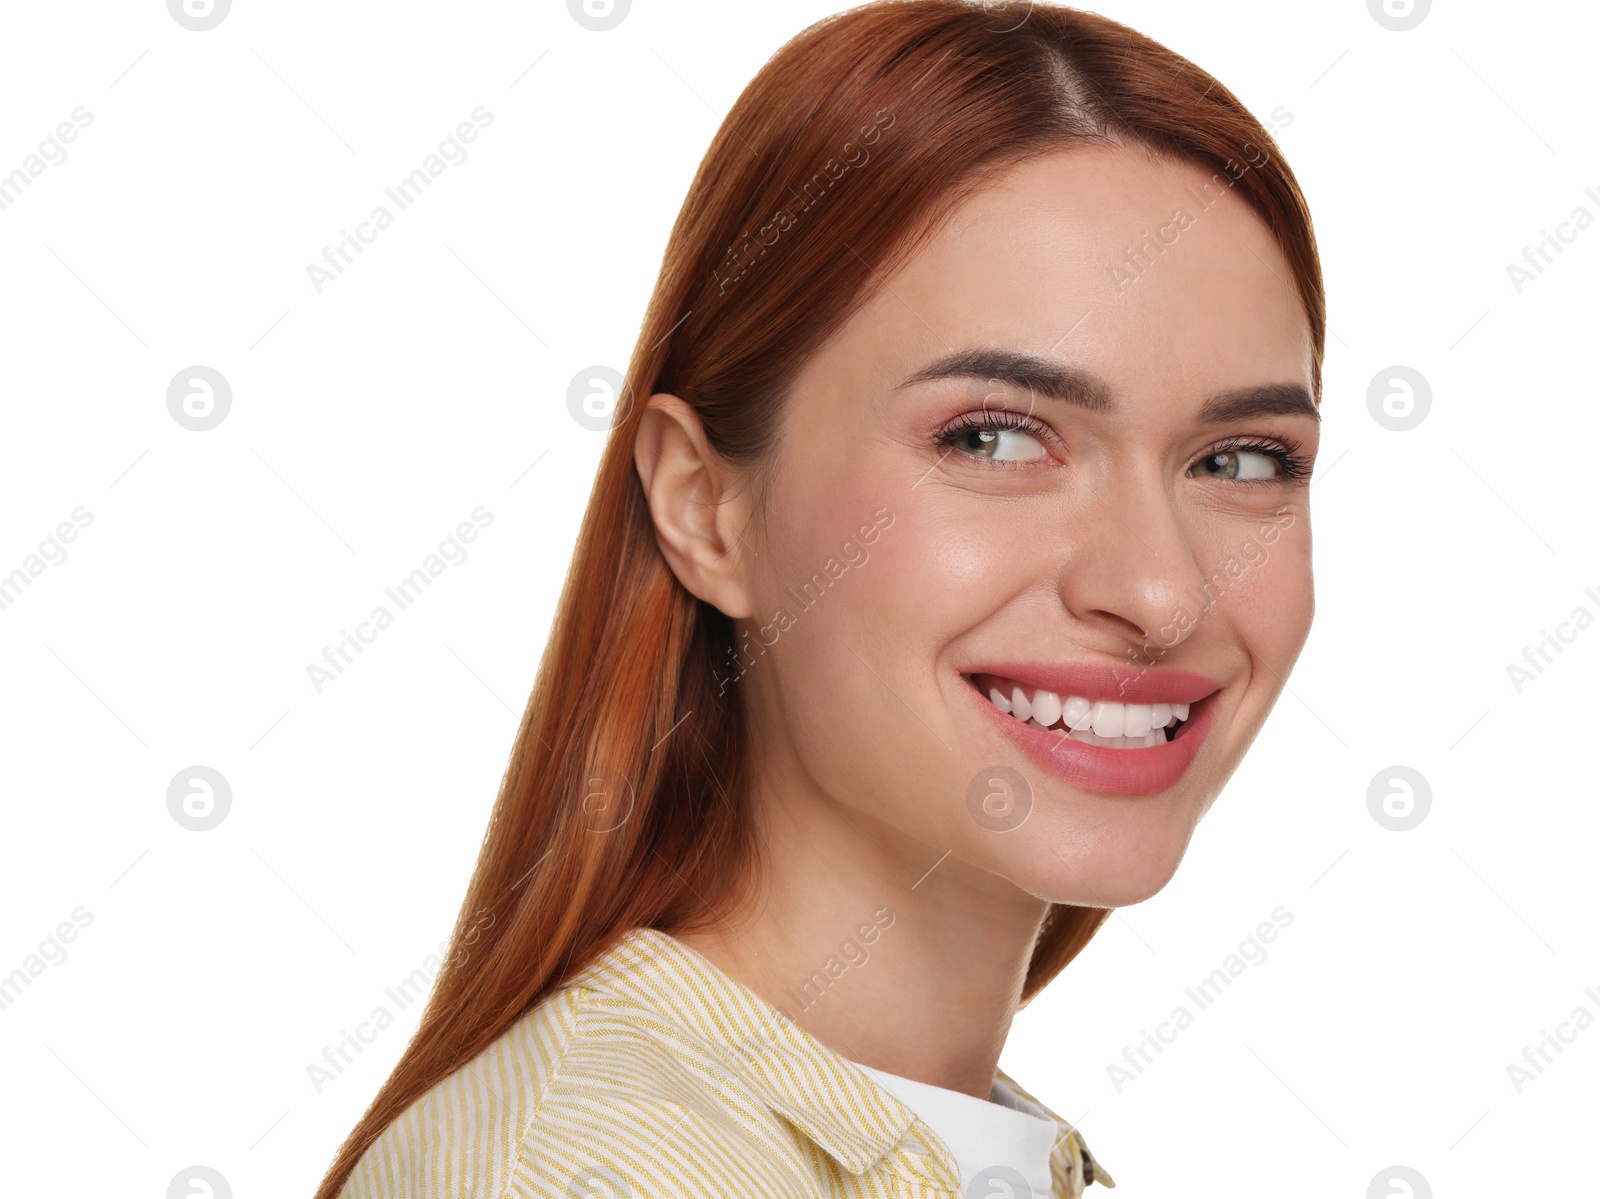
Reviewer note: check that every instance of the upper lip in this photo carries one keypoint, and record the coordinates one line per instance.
(1117, 682)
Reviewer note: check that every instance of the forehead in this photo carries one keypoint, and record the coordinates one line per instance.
(1155, 275)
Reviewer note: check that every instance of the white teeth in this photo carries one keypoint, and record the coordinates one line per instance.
(1109, 719)
(1046, 707)
(1153, 737)
(1020, 707)
(1076, 712)
(1094, 722)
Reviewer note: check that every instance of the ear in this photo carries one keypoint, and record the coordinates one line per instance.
(696, 504)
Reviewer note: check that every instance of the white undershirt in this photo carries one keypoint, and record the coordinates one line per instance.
(1000, 1137)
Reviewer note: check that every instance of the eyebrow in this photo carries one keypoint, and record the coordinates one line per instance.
(1070, 385)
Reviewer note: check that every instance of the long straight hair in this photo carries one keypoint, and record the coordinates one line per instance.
(624, 801)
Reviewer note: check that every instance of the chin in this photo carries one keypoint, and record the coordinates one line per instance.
(1121, 889)
(1104, 872)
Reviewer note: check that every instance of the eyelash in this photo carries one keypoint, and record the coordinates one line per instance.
(991, 422)
(1293, 467)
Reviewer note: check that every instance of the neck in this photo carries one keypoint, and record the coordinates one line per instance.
(877, 947)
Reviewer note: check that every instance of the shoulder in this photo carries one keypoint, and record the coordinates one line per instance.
(585, 1095)
(460, 1138)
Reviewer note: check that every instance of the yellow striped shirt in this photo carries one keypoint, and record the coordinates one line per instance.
(652, 1074)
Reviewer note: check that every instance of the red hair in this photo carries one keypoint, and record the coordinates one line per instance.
(836, 163)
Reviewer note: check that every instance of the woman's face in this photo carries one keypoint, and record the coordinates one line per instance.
(1058, 458)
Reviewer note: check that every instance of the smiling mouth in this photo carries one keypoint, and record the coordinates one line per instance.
(1106, 723)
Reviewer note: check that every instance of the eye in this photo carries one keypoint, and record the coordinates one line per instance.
(1238, 464)
(998, 436)
(1252, 462)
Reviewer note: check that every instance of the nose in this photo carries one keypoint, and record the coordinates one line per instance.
(1130, 571)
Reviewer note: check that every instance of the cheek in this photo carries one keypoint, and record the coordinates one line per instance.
(1275, 598)
(930, 571)
(963, 555)
(951, 570)
(853, 683)
(824, 594)
(817, 545)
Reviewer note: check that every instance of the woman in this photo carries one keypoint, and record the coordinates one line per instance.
(950, 548)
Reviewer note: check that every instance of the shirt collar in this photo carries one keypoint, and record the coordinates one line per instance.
(1072, 1166)
(840, 1108)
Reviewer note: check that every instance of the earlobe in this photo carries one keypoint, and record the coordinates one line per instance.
(691, 502)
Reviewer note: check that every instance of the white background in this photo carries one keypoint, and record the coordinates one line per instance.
(430, 378)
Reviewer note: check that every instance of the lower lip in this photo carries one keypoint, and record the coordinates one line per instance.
(1097, 768)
